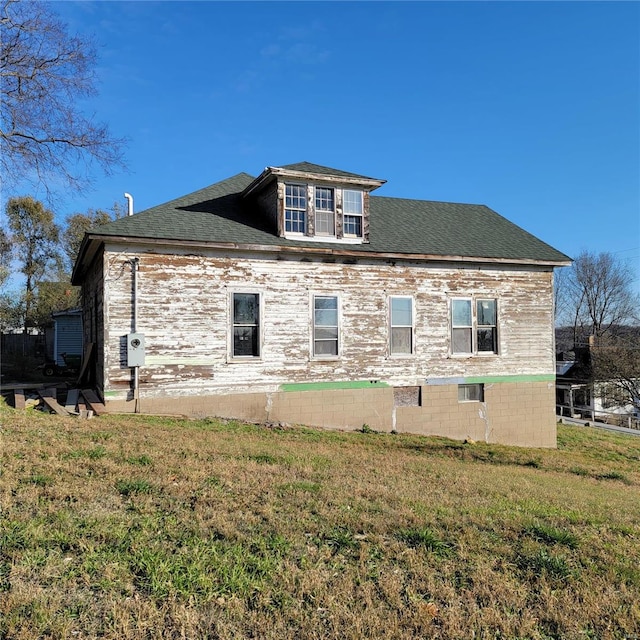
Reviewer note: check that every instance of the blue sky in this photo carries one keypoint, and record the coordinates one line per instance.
(530, 108)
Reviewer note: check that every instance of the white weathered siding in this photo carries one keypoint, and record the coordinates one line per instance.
(183, 310)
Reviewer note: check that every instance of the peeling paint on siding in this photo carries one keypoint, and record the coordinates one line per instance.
(184, 313)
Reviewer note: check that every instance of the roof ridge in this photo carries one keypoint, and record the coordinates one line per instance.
(198, 191)
(312, 167)
(463, 204)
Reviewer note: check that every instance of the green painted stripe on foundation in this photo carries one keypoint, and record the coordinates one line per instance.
(111, 394)
(543, 377)
(321, 386)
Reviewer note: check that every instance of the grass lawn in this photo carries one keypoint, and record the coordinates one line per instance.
(133, 527)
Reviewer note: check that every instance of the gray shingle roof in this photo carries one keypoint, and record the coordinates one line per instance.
(309, 167)
(219, 214)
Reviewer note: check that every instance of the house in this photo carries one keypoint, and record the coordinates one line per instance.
(582, 393)
(298, 296)
(574, 384)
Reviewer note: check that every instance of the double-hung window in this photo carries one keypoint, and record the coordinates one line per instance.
(486, 326)
(325, 212)
(401, 321)
(246, 325)
(474, 327)
(295, 208)
(325, 326)
(352, 212)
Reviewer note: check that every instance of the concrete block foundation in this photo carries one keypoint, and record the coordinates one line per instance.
(512, 413)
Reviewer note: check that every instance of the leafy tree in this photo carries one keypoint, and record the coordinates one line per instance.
(78, 224)
(11, 311)
(5, 257)
(54, 295)
(45, 73)
(10, 307)
(35, 238)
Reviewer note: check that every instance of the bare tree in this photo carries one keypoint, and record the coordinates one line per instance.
(596, 296)
(560, 294)
(616, 361)
(44, 75)
(596, 299)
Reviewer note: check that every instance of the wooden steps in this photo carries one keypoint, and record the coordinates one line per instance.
(84, 403)
(72, 400)
(49, 397)
(93, 401)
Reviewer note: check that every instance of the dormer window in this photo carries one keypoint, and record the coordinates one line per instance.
(295, 208)
(307, 202)
(352, 210)
(325, 212)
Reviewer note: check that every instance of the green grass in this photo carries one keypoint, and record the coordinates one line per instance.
(552, 535)
(134, 527)
(135, 486)
(542, 564)
(142, 460)
(424, 537)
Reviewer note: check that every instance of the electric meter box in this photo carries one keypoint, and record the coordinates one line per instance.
(135, 350)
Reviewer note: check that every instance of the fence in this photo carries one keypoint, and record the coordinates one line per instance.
(18, 344)
(589, 413)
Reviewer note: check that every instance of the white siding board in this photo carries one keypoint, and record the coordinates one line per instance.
(183, 310)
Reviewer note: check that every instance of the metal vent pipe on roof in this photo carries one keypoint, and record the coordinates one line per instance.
(129, 198)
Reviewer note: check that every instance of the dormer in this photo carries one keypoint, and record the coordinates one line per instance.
(309, 202)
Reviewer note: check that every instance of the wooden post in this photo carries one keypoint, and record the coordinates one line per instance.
(19, 401)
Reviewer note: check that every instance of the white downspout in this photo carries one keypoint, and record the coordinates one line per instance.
(134, 269)
(136, 370)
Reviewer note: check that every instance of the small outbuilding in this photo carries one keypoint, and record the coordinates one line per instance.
(67, 335)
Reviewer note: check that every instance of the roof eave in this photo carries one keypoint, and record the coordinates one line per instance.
(343, 251)
(271, 173)
(75, 311)
(261, 181)
(370, 183)
(86, 253)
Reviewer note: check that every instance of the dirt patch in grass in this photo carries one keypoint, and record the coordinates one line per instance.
(131, 527)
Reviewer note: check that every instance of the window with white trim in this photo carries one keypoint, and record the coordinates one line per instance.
(325, 326)
(295, 208)
(474, 328)
(325, 212)
(352, 209)
(487, 327)
(470, 393)
(246, 325)
(401, 323)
